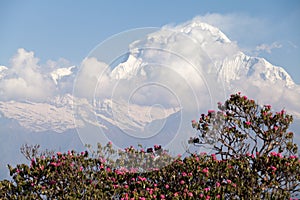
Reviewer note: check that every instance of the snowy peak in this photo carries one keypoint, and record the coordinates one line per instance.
(196, 26)
(57, 74)
(128, 69)
(274, 73)
(243, 67)
(197, 41)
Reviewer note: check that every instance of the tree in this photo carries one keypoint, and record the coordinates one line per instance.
(241, 126)
(243, 129)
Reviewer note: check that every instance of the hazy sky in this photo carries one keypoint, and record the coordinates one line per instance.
(71, 29)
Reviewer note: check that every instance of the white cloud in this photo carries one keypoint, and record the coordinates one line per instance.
(24, 79)
(92, 74)
(268, 47)
(292, 44)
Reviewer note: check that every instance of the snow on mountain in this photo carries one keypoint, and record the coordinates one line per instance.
(58, 114)
(39, 117)
(196, 25)
(131, 116)
(243, 67)
(197, 41)
(57, 74)
(128, 69)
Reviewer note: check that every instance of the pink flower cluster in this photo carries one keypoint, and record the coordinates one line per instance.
(276, 154)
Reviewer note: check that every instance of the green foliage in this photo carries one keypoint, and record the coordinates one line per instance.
(252, 160)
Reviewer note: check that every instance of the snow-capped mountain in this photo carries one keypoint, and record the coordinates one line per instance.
(57, 115)
(241, 67)
(59, 73)
(173, 75)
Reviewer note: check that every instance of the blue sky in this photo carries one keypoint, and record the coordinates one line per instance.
(70, 29)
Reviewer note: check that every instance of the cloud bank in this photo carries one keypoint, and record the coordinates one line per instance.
(27, 79)
(24, 79)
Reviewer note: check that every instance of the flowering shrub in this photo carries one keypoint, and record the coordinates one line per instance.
(268, 169)
(241, 129)
(241, 126)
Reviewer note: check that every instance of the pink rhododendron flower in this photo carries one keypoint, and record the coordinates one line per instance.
(273, 153)
(205, 170)
(214, 156)
(142, 178)
(190, 194)
(264, 113)
(52, 182)
(268, 106)
(54, 164)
